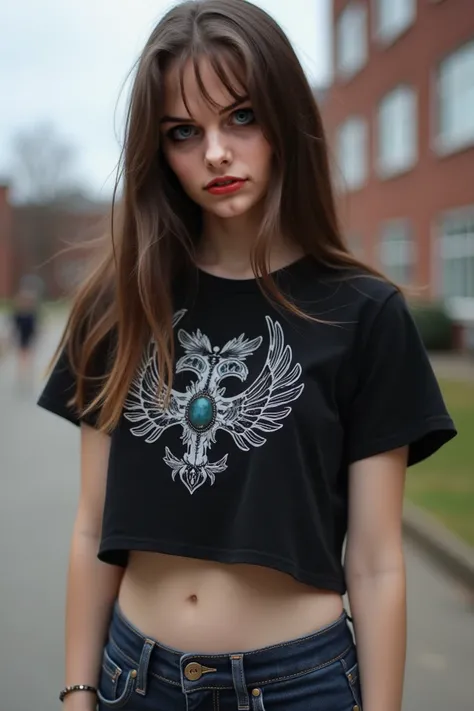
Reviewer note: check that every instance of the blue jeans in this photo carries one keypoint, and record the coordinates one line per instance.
(314, 673)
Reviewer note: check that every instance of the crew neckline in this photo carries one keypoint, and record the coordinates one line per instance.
(249, 284)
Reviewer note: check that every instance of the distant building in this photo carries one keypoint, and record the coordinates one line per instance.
(400, 120)
(5, 243)
(35, 242)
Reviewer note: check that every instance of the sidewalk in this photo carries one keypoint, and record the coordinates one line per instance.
(453, 366)
(453, 554)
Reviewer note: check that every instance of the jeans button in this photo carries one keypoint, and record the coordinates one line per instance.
(193, 671)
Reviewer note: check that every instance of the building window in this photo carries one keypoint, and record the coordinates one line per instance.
(397, 132)
(397, 251)
(352, 152)
(456, 99)
(351, 40)
(457, 255)
(393, 17)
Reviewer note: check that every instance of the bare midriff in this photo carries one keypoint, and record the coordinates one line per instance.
(201, 606)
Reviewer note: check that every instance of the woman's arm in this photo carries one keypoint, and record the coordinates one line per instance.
(92, 585)
(375, 573)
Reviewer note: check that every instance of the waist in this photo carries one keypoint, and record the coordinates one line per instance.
(190, 603)
(194, 670)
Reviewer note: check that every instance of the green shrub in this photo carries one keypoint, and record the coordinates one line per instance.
(434, 325)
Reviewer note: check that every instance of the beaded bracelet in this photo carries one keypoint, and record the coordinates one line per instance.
(78, 687)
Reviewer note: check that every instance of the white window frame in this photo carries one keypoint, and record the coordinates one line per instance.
(459, 248)
(353, 178)
(388, 167)
(399, 263)
(390, 32)
(446, 142)
(353, 19)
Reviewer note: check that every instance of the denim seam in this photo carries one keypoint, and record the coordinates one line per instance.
(123, 698)
(281, 645)
(290, 643)
(308, 671)
(135, 664)
(143, 667)
(237, 664)
(353, 681)
(247, 654)
(227, 688)
(276, 679)
(353, 670)
(110, 667)
(257, 702)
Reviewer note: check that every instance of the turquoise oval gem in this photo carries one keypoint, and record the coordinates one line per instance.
(201, 412)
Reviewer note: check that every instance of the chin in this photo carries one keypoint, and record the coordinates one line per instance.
(231, 208)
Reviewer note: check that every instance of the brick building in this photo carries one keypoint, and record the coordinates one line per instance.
(400, 120)
(37, 243)
(5, 243)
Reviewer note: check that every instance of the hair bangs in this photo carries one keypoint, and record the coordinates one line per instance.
(226, 63)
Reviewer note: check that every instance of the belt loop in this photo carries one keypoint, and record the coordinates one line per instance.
(143, 667)
(243, 699)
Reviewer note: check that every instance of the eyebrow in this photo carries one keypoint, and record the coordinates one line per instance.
(188, 119)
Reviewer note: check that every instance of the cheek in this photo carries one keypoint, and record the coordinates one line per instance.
(261, 154)
(182, 165)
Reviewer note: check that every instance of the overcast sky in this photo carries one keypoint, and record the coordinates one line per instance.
(65, 61)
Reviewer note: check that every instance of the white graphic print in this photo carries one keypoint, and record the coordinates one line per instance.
(203, 409)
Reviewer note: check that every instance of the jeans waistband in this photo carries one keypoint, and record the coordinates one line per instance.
(196, 671)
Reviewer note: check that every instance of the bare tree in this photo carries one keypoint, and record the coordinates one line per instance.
(43, 165)
(44, 172)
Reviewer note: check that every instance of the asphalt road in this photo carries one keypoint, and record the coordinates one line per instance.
(39, 485)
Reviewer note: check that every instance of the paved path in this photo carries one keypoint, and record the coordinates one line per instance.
(39, 483)
(454, 366)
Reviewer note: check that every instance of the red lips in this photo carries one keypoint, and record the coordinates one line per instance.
(225, 184)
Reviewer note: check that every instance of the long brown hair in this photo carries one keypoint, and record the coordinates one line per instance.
(156, 226)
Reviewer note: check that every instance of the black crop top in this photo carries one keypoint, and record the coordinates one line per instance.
(249, 464)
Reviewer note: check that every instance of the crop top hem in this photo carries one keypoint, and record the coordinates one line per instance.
(114, 551)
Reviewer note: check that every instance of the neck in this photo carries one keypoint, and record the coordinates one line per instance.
(226, 245)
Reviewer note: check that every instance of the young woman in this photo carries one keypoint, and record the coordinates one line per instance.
(248, 392)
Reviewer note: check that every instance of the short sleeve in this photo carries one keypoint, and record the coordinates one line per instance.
(61, 386)
(397, 400)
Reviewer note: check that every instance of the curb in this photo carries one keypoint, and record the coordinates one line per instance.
(455, 556)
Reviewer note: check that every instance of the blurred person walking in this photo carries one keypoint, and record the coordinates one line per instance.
(24, 332)
(248, 393)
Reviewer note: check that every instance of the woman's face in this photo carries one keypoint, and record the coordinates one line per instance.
(220, 156)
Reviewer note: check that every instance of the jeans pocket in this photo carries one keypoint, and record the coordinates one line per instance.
(117, 680)
(334, 687)
(352, 676)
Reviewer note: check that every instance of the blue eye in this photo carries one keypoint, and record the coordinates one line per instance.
(243, 117)
(182, 133)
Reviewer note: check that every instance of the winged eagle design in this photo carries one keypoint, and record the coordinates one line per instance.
(203, 409)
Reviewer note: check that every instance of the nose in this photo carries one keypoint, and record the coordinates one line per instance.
(217, 151)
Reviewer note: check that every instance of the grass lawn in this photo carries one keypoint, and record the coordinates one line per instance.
(47, 307)
(444, 484)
